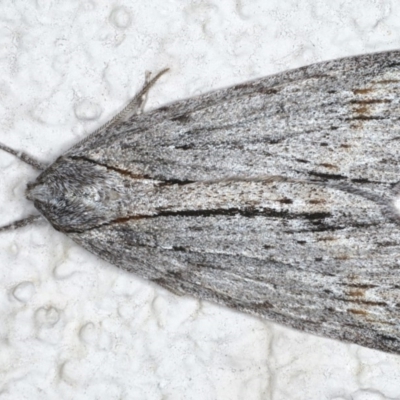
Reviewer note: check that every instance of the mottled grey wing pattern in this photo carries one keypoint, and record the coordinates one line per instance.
(274, 197)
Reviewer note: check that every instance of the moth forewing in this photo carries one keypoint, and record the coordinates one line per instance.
(274, 197)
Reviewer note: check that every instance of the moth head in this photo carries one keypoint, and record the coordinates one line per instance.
(38, 192)
(71, 194)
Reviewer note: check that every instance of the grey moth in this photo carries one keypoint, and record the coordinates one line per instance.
(276, 197)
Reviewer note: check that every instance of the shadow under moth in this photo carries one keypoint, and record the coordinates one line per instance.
(276, 197)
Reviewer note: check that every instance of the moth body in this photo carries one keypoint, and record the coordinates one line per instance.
(275, 197)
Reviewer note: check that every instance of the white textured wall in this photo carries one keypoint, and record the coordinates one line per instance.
(74, 327)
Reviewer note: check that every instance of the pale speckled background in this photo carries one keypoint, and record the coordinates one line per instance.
(74, 327)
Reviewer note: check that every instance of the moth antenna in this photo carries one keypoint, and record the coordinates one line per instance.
(21, 223)
(24, 157)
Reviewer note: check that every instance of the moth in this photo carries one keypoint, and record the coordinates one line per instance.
(277, 197)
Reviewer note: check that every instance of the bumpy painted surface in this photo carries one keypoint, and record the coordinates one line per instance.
(274, 197)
